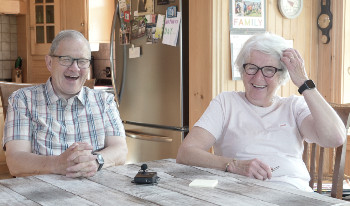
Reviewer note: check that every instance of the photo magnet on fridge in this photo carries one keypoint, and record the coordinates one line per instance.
(127, 16)
(124, 35)
(124, 5)
(134, 29)
(171, 12)
(145, 7)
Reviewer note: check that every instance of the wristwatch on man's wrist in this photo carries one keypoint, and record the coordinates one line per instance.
(100, 161)
(308, 84)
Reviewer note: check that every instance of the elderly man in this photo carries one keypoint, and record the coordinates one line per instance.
(61, 127)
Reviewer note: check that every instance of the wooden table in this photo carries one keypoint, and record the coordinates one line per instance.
(112, 186)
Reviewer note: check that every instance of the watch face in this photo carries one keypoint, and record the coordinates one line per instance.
(310, 84)
(323, 21)
(100, 159)
(290, 8)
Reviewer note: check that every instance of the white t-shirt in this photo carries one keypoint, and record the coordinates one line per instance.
(244, 131)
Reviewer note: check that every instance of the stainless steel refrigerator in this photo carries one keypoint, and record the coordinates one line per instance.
(152, 90)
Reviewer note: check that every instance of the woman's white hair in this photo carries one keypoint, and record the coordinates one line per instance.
(267, 43)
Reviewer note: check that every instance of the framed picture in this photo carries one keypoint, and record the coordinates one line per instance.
(145, 7)
(248, 14)
(247, 17)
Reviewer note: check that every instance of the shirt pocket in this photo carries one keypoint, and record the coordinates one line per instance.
(92, 130)
(46, 134)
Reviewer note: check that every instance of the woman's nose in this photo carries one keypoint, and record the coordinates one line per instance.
(259, 74)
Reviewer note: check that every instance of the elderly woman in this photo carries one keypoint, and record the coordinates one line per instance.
(256, 130)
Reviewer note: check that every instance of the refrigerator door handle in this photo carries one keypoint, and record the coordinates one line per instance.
(111, 52)
(113, 65)
(147, 137)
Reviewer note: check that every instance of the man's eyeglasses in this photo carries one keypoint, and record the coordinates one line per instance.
(68, 61)
(267, 71)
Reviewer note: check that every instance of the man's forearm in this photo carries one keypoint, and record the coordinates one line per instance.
(25, 164)
(115, 153)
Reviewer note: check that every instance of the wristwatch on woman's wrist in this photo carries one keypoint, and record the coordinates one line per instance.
(308, 84)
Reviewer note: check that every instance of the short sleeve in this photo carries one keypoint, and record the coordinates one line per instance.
(112, 122)
(17, 124)
(212, 119)
(301, 110)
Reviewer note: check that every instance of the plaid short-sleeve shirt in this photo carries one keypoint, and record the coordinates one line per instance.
(52, 123)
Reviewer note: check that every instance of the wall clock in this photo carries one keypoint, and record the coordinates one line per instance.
(290, 8)
(324, 20)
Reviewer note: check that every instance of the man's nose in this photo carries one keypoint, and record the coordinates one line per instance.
(74, 65)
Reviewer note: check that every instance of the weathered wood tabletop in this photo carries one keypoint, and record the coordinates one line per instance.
(112, 186)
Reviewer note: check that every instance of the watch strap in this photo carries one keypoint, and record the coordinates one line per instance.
(99, 166)
(308, 84)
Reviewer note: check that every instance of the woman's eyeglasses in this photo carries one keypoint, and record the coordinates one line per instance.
(267, 71)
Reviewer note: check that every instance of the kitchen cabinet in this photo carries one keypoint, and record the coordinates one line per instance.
(74, 15)
(12, 7)
(44, 24)
(93, 18)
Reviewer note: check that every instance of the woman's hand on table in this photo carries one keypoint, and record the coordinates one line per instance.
(253, 168)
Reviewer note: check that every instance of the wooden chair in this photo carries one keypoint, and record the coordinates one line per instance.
(7, 88)
(90, 83)
(337, 161)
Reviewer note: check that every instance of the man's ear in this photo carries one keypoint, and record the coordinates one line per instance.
(48, 60)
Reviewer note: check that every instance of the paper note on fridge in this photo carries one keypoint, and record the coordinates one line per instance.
(134, 52)
(159, 27)
(171, 30)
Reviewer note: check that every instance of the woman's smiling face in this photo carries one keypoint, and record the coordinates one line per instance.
(260, 90)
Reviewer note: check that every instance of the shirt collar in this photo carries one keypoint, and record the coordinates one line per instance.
(52, 97)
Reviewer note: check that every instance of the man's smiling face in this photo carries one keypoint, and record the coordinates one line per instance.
(67, 81)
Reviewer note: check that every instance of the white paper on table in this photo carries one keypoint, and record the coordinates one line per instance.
(203, 183)
(171, 30)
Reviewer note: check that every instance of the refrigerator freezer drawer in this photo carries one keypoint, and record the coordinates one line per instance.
(153, 144)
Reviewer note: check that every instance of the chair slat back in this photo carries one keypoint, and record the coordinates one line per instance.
(7, 88)
(90, 83)
(313, 157)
